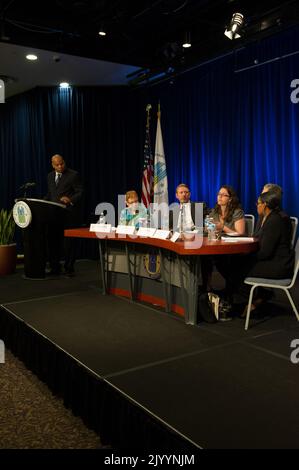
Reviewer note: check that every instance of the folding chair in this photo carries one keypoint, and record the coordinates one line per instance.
(249, 224)
(294, 221)
(284, 284)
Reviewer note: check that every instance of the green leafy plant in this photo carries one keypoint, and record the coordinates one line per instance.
(7, 227)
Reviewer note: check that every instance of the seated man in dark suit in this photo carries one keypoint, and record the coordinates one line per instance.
(189, 215)
(64, 187)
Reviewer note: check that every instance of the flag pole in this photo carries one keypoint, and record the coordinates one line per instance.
(147, 175)
(160, 174)
(148, 110)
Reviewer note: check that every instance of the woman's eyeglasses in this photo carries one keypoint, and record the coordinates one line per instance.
(223, 195)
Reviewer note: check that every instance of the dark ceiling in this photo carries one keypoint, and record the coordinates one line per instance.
(144, 33)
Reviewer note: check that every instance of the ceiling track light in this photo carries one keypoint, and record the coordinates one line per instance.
(233, 31)
(31, 57)
(102, 31)
(64, 85)
(187, 41)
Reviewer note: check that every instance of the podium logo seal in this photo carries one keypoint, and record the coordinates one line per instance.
(22, 214)
(152, 265)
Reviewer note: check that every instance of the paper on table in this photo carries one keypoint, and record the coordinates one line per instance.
(231, 234)
(237, 239)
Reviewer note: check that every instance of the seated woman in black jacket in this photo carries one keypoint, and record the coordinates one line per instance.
(275, 257)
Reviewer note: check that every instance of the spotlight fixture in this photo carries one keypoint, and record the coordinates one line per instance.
(31, 57)
(102, 31)
(187, 41)
(64, 85)
(233, 31)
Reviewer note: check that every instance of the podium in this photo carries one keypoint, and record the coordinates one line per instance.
(34, 216)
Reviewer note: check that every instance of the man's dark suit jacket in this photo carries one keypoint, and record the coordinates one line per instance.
(70, 186)
(198, 212)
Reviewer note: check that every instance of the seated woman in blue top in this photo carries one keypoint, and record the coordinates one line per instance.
(134, 211)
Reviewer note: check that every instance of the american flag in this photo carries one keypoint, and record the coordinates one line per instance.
(148, 165)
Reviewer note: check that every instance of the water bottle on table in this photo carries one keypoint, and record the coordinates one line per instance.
(207, 223)
(102, 218)
(142, 222)
(211, 230)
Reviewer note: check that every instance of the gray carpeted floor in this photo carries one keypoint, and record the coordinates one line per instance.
(32, 418)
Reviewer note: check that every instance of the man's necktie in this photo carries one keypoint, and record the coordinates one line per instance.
(57, 178)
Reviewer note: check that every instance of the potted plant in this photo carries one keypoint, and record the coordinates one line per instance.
(8, 250)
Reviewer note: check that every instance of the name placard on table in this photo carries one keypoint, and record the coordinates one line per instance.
(161, 234)
(175, 237)
(237, 239)
(100, 228)
(125, 230)
(146, 232)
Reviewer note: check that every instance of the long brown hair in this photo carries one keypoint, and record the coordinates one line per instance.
(232, 205)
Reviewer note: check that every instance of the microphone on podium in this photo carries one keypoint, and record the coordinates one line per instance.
(28, 185)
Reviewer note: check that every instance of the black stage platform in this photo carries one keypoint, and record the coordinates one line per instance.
(145, 379)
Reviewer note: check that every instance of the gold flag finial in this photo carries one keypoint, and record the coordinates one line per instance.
(148, 109)
(159, 109)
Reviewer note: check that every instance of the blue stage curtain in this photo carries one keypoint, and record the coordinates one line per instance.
(231, 121)
(98, 131)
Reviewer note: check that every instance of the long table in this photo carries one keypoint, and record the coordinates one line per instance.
(185, 254)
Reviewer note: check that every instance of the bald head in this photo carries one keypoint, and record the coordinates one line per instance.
(58, 163)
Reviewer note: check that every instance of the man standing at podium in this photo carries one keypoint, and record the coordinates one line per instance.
(64, 187)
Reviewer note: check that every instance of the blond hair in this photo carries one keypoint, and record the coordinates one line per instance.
(130, 194)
